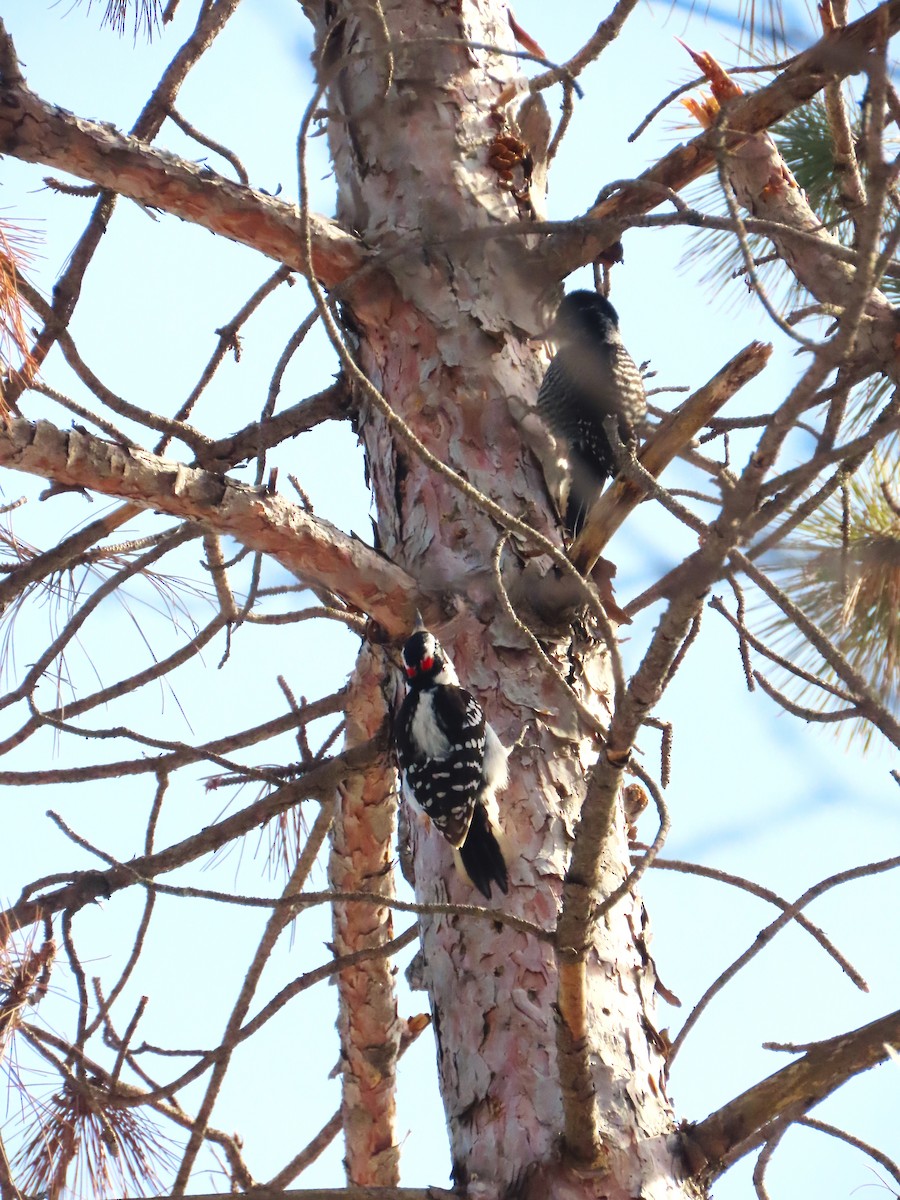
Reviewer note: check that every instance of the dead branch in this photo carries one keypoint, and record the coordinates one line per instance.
(311, 548)
(858, 1144)
(229, 340)
(35, 131)
(327, 405)
(748, 640)
(667, 442)
(275, 926)
(608, 29)
(123, 687)
(63, 554)
(735, 1128)
(178, 754)
(345, 1193)
(867, 703)
(210, 22)
(764, 893)
(828, 61)
(765, 935)
(84, 887)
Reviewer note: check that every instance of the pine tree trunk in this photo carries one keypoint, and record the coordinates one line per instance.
(442, 329)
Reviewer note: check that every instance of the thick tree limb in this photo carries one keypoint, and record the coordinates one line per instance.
(314, 550)
(35, 131)
(832, 58)
(735, 1128)
(764, 185)
(581, 889)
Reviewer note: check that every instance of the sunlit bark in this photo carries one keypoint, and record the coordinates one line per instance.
(444, 341)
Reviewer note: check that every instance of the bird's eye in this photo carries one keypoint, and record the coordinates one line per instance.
(427, 663)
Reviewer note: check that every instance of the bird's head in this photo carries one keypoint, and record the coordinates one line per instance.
(425, 660)
(584, 314)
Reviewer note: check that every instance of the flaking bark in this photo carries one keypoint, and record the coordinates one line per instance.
(442, 336)
(444, 342)
(363, 839)
(313, 549)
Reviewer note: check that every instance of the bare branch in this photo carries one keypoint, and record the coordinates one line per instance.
(674, 433)
(867, 704)
(63, 554)
(765, 936)
(309, 547)
(829, 60)
(842, 1135)
(275, 926)
(86, 886)
(211, 144)
(34, 131)
(608, 29)
(735, 1128)
(327, 405)
(262, 1192)
(764, 893)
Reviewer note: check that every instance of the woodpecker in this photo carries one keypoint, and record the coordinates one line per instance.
(591, 379)
(452, 761)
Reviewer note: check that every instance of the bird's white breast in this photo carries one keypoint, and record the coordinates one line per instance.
(427, 736)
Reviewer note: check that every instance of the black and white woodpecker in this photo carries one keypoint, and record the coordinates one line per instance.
(591, 386)
(451, 760)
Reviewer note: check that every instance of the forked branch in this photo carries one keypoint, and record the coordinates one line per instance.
(736, 1128)
(831, 59)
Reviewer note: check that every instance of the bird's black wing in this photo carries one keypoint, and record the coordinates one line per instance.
(457, 713)
(444, 781)
(402, 731)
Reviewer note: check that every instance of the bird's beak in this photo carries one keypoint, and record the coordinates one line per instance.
(544, 335)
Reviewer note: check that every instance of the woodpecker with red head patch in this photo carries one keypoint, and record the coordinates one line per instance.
(591, 380)
(452, 761)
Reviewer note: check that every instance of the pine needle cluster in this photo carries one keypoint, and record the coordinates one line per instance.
(83, 1145)
(843, 570)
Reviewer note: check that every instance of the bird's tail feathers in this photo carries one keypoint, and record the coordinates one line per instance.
(586, 481)
(481, 855)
